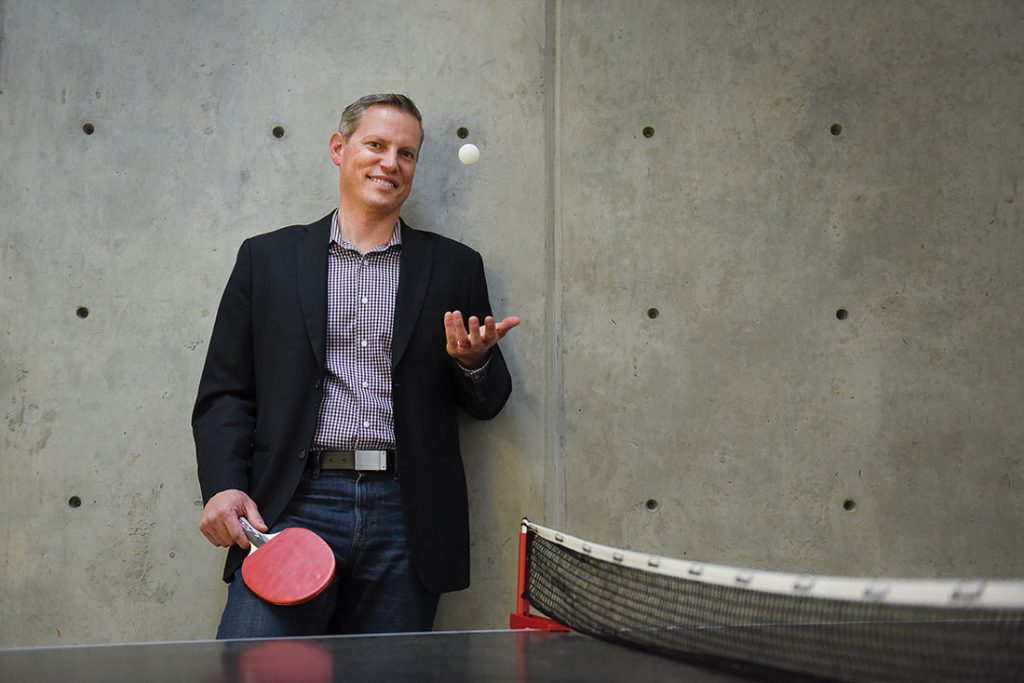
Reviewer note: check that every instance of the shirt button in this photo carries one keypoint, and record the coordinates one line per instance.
(365, 384)
(363, 343)
(366, 424)
(365, 300)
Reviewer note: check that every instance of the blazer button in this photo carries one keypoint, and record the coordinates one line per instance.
(302, 454)
(319, 383)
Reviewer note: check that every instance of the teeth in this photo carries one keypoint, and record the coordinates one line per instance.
(381, 181)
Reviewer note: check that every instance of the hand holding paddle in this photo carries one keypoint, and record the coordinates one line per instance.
(220, 518)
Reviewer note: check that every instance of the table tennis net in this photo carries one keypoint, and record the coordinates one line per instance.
(775, 626)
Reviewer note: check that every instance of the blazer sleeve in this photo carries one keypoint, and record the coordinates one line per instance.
(483, 399)
(224, 416)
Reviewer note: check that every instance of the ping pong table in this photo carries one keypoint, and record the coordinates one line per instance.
(453, 657)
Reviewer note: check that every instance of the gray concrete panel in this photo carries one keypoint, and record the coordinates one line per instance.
(826, 218)
(139, 221)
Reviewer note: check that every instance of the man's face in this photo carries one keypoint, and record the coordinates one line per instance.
(378, 161)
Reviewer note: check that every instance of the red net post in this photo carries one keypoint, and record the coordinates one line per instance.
(521, 618)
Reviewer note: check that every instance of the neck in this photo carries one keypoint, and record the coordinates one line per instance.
(363, 231)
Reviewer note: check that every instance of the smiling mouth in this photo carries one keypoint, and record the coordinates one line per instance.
(384, 182)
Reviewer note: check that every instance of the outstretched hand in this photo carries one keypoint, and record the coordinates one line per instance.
(471, 346)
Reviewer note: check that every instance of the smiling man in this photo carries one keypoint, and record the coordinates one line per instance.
(340, 353)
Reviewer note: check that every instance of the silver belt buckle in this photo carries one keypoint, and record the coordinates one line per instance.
(372, 461)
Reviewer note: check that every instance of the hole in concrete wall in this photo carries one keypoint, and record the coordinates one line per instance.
(842, 314)
(82, 312)
(278, 131)
(651, 504)
(849, 504)
(836, 129)
(88, 129)
(648, 132)
(653, 313)
(74, 502)
(462, 133)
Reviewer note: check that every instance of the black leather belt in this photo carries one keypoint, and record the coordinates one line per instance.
(359, 461)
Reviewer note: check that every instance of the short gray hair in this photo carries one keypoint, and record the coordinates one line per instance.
(353, 114)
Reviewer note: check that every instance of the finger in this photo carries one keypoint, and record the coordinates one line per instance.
(489, 334)
(212, 525)
(252, 514)
(238, 536)
(229, 528)
(507, 324)
(474, 331)
(450, 336)
(208, 535)
(449, 327)
(461, 336)
(218, 535)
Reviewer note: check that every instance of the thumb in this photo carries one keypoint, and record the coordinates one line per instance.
(507, 324)
(252, 513)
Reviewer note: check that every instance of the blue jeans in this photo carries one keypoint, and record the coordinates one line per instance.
(374, 590)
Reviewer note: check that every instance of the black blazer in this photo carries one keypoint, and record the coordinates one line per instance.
(256, 410)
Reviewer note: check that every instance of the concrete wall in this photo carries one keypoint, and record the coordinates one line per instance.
(806, 159)
(685, 381)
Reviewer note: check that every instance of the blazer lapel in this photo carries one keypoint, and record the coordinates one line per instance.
(311, 257)
(413, 278)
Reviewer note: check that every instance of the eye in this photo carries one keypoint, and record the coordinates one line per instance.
(410, 155)
(373, 144)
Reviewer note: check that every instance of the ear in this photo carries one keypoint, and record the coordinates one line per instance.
(335, 147)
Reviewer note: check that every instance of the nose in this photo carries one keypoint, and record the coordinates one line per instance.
(389, 160)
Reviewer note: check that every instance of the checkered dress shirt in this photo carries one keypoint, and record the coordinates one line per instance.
(356, 410)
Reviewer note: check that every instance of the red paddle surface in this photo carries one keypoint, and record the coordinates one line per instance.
(291, 568)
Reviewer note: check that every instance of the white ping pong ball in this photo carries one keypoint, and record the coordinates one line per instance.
(469, 154)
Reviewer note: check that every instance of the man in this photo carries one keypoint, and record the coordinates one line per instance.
(328, 400)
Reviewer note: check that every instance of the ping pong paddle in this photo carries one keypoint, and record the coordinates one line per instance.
(287, 568)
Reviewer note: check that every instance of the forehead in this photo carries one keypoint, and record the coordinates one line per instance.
(383, 120)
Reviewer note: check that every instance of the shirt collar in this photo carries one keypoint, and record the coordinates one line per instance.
(336, 238)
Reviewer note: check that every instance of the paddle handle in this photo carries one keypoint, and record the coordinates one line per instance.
(255, 537)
